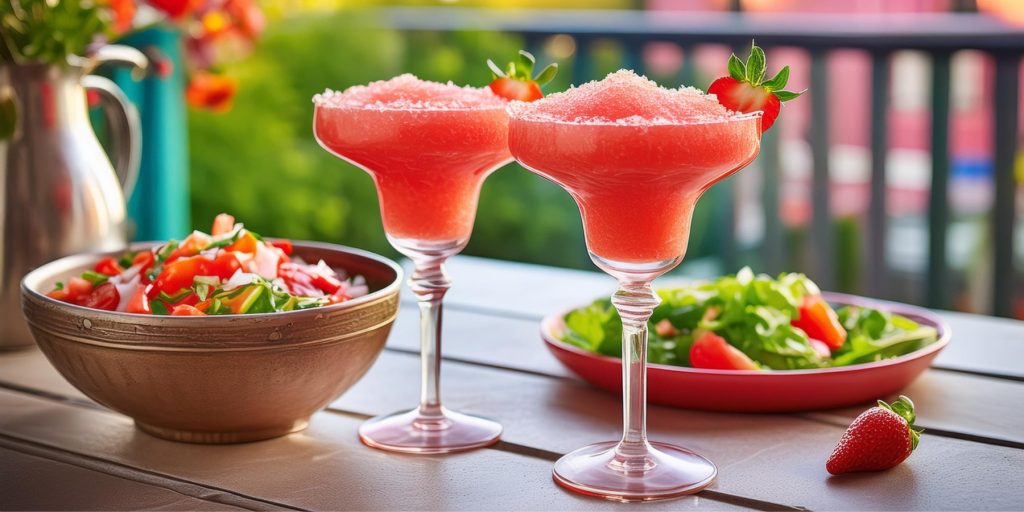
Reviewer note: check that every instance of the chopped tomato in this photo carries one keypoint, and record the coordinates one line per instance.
(820, 322)
(180, 274)
(61, 295)
(191, 246)
(246, 243)
(328, 284)
(186, 310)
(104, 297)
(144, 260)
(78, 288)
(284, 245)
(108, 267)
(204, 305)
(713, 352)
(139, 303)
(222, 223)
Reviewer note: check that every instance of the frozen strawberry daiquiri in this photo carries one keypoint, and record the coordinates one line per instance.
(428, 146)
(636, 157)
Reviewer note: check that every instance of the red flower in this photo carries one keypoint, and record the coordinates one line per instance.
(248, 17)
(211, 92)
(176, 8)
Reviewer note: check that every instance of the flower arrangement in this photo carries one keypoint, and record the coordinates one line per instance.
(214, 32)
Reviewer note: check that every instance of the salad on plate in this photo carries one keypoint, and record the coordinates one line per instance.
(753, 322)
(229, 271)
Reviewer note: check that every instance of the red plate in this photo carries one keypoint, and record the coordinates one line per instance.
(762, 391)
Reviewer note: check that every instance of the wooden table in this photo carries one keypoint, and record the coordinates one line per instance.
(59, 450)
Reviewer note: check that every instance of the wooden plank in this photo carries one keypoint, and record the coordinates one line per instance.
(29, 482)
(980, 344)
(532, 408)
(995, 411)
(775, 458)
(325, 467)
(963, 406)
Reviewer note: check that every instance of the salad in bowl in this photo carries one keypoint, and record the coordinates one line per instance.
(231, 270)
(756, 343)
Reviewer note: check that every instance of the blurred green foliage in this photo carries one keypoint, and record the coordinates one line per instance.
(260, 162)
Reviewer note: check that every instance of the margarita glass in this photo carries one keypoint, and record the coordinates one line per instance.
(635, 157)
(428, 146)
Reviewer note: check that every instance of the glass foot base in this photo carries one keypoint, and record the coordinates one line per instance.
(411, 432)
(666, 472)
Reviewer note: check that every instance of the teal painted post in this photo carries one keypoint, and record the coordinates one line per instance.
(159, 206)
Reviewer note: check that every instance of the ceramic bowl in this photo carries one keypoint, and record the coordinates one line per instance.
(762, 391)
(217, 379)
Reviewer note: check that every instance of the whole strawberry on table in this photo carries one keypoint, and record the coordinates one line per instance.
(230, 271)
(880, 438)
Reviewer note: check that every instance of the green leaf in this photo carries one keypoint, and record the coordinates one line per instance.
(787, 95)
(59, 285)
(547, 74)
(526, 63)
(737, 69)
(202, 291)
(126, 259)
(778, 81)
(94, 277)
(755, 65)
(159, 308)
(496, 71)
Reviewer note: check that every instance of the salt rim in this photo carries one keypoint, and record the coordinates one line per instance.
(448, 96)
(528, 111)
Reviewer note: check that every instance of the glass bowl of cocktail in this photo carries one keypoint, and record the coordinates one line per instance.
(428, 146)
(635, 157)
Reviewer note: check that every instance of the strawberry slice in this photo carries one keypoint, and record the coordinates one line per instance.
(711, 351)
(879, 439)
(746, 90)
(517, 82)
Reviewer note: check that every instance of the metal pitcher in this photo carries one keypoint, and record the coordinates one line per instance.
(59, 193)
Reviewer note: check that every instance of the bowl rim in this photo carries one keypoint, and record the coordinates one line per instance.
(75, 260)
(551, 323)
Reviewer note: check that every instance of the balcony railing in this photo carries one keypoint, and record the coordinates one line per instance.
(938, 35)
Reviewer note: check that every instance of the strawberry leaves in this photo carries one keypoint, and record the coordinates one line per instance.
(904, 408)
(522, 69)
(753, 73)
(517, 82)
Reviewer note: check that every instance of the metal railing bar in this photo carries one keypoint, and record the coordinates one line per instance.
(937, 274)
(929, 31)
(1006, 106)
(822, 241)
(877, 224)
(582, 61)
(773, 245)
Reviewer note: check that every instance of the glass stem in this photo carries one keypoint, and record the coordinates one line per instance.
(430, 282)
(635, 302)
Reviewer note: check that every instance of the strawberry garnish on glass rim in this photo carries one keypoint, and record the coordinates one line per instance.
(746, 90)
(516, 81)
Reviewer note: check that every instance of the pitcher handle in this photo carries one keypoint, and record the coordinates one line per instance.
(125, 128)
